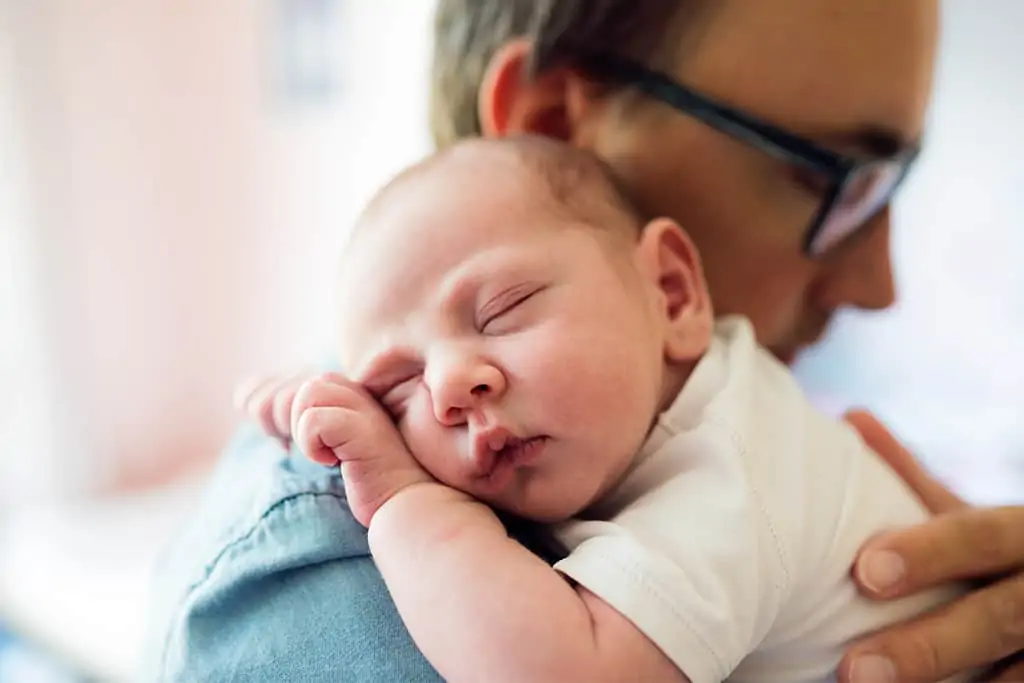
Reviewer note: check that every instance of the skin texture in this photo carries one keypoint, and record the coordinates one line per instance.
(840, 73)
(856, 77)
(483, 309)
(470, 312)
(859, 67)
(961, 543)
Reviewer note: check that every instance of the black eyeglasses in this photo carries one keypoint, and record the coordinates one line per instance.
(857, 189)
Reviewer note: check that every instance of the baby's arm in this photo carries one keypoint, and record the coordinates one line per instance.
(479, 605)
(482, 607)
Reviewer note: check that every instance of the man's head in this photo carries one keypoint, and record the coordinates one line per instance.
(852, 77)
(507, 304)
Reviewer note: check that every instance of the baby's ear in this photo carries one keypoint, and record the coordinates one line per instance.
(684, 300)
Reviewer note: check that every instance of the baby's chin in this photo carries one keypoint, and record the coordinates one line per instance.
(546, 508)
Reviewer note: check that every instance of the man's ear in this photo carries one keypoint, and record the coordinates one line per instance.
(672, 261)
(511, 102)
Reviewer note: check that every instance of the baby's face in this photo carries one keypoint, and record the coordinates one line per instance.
(520, 355)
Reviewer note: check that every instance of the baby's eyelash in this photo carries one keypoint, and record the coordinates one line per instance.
(505, 302)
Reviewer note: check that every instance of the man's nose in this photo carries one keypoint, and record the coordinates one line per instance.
(860, 274)
(460, 386)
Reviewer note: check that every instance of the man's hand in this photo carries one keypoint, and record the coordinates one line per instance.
(960, 543)
(336, 421)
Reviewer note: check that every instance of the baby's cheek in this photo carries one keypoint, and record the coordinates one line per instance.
(572, 355)
(555, 371)
(414, 428)
(612, 375)
(428, 441)
(547, 350)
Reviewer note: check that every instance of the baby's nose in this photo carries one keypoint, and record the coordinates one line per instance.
(463, 390)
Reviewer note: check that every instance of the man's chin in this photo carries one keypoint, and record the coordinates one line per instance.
(786, 356)
(791, 353)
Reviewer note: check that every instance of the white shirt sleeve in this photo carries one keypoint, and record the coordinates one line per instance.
(840, 496)
(824, 494)
(730, 542)
(682, 556)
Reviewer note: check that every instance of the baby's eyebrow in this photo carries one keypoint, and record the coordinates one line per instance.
(486, 278)
(460, 286)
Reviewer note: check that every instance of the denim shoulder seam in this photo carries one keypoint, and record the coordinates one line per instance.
(210, 566)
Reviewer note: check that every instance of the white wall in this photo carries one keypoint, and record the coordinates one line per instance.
(27, 409)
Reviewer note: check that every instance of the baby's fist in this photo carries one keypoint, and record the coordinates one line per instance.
(336, 421)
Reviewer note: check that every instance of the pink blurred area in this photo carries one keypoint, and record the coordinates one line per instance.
(162, 247)
(183, 209)
(176, 182)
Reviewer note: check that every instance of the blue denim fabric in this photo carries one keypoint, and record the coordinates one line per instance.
(272, 581)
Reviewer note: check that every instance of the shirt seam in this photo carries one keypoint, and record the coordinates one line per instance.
(780, 551)
(212, 564)
(637, 577)
(659, 594)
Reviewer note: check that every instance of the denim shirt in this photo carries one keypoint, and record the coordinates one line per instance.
(272, 581)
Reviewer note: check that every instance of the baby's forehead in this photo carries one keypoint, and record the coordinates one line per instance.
(522, 173)
(408, 263)
(412, 257)
(450, 206)
(479, 198)
(436, 222)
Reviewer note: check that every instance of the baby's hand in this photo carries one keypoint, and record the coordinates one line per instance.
(337, 421)
(268, 400)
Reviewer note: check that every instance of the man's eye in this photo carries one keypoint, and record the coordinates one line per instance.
(813, 182)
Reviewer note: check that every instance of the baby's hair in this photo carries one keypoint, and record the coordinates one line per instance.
(575, 182)
(579, 183)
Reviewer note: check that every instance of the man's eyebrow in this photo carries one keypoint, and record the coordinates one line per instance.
(869, 139)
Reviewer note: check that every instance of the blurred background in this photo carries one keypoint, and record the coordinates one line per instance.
(176, 177)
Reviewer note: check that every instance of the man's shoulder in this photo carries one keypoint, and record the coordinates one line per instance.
(262, 501)
(265, 515)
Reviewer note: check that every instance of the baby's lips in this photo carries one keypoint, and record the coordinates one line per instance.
(486, 445)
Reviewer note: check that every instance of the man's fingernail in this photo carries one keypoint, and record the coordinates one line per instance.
(880, 570)
(872, 669)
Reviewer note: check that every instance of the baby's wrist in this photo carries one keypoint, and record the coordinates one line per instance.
(370, 485)
(416, 502)
(423, 494)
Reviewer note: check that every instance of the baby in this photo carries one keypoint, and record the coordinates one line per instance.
(515, 336)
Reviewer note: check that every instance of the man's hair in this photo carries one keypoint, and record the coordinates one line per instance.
(468, 33)
(573, 182)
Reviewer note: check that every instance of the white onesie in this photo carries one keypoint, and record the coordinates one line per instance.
(730, 541)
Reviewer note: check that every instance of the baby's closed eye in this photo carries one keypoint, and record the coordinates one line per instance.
(505, 313)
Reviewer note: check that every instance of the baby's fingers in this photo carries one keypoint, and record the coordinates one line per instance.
(269, 400)
(327, 389)
(321, 430)
(325, 415)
